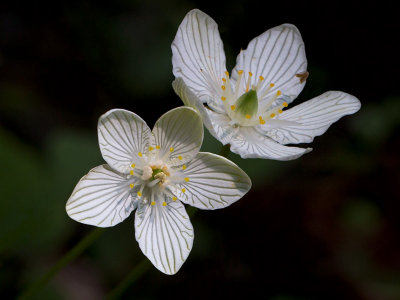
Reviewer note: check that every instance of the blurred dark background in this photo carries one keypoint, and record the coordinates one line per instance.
(325, 226)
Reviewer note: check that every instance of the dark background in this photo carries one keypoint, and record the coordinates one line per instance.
(325, 226)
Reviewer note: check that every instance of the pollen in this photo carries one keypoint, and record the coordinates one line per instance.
(223, 87)
(131, 172)
(248, 116)
(223, 98)
(157, 147)
(151, 148)
(139, 194)
(278, 93)
(280, 111)
(133, 166)
(223, 79)
(171, 149)
(183, 190)
(262, 121)
(131, 185)
(284, 104)
(272, 115)
(186, 179)
(261, 78)
(180, 157)
(240, 72)
(164, 203)
(140, 154)
(233, 107)
(184, 167)
(227, 73)
(250, 74)
(153, 203)
(271, 84)
(174, 198)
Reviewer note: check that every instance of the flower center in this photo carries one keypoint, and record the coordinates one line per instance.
(250, 105)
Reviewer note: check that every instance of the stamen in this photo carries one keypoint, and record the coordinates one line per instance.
(284, 104)
(260, 79)
(248, 116)
(184, 167)
(180, 157)
(248, 81)
(164, 203)
(183, 190)
(174, 198)
(238, 83)
(153, 203)
(133, 166)
(139, 194)
(223, 87)
(171, 149)
(140, 154)
(131, 185)
(223, 79)
(186, 179)
(280, 111)
(262, 121)
(271, 85)
(131, 172)
(233, 107)
(223, 98)
(151, 148)
(272, 115)
(158, 147)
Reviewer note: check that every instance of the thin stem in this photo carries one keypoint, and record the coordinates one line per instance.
(66, 259)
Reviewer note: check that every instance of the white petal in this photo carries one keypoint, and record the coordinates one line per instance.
(212, 182)
(248, 143)
(122, 135)
(101, 198)
(278, 55)
(165, 234)
(314, 117)
(198, 56)
(179, 133)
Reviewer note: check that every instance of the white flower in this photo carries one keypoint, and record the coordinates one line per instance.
(154, 171)
(246, 110)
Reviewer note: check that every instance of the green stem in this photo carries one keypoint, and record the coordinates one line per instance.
(66, 259)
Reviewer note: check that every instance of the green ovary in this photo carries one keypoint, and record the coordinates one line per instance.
(247, 105)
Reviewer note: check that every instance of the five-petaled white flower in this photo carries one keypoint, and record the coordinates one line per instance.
(246, 110)
(154, 171)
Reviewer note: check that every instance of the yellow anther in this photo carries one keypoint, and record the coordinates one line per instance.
(184, 167)
(131, 185)
(174, 198)
(278, 93)
(248, 116)
(171, 149)
(223, 98)
(223, 79)
(233, 107)
(153, 203)
(151, 148)
(250, 74)
(131, 172)
(133, 165)
(261, 78)
(280, 111)
(284, 104)
(261, 120)
(227, 73)
(139, 194)
(164, 203)
(240, 72)
(271, 85)
(140, 154)
(223, 87)
(183, 190)
(272, 115)
(157, 147)
(186, 179)
(180, 157)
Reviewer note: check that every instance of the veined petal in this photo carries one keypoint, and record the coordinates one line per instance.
(122, 136)
(248, 143)
(198, 56)
(314, 117)
(164, 233)
(212, 182)
(221, 129)
(101, 198)
(278, 56)
(178, 134)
